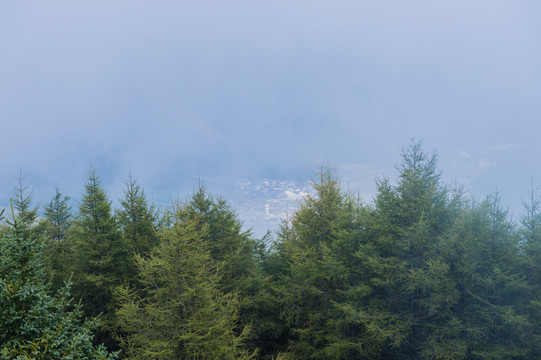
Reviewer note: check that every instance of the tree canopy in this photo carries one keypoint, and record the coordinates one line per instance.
(421, 271)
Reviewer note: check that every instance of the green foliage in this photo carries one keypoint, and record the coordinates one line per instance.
(410, 279)
(484, 268)
(99, 259)
(22, 201)
(54, 228)
(34, 322)
(228, 244)
(321, 290)
(58, 216)
(530, 234)
(421, 273)
(181, 313)
(137, 220)
(234, 250)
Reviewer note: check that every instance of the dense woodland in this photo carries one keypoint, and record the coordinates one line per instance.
(421, 272)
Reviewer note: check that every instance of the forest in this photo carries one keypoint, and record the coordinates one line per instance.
(422, 271)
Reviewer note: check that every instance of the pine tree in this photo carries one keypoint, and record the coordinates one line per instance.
(54, 228)
(530, 233)
(227, 242)
(36, 323)
(410, 276)
(99, 260)
(137, 219)
(489, 318)
(22, 201)
(181, 312)
(229, 246)
(58, 216)
(322, 293)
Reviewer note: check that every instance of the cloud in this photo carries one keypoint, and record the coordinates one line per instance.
(484, 164)
(186, 89)
(464, 155)
(500, 147)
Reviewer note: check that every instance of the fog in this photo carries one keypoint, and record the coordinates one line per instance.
(180, 91)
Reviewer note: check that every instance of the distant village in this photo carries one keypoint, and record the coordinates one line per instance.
(263, 203)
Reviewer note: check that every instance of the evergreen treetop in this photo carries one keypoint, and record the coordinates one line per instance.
(58, 215)
(34, 322)
(180, 312)
(137, 219)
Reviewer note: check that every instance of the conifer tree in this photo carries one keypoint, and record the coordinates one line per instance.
(322, 293)
(181, 312)
(270, 334)
(22, 202)
(99, 259)
(57, 250)
(36, 323)
(489, 321)
(229, 246)
(137, 219)
(530, 233)
(410, 277)
(58, 216)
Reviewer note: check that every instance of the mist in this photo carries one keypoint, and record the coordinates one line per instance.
(178, 92)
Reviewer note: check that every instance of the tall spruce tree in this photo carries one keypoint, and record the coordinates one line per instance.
(22, 201)
(137, 219)
(322, 293)
(58, 216)
(181, 312)
(229, 246)
(411, 279)
(228, 243)
(489, 319)
(99, 260)
(425, 216)
(36, 323)
(530, 233)
(54, 228)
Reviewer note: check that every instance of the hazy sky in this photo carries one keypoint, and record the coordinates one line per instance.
(223, 90)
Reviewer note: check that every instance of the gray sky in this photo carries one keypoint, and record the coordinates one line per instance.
(223, 90)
